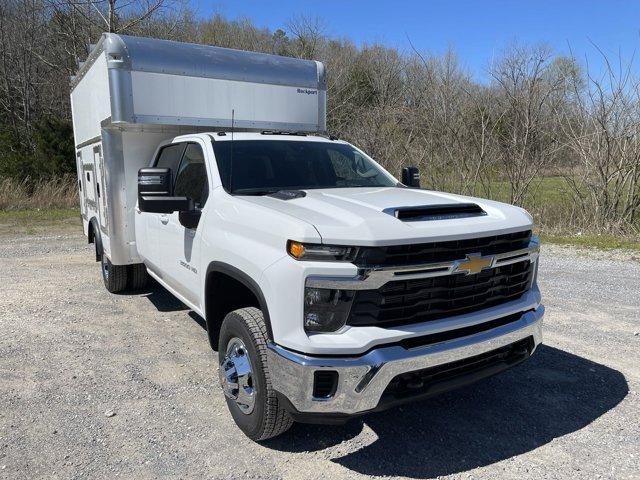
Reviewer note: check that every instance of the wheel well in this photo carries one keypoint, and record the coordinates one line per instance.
(228, 289)
(91, 234)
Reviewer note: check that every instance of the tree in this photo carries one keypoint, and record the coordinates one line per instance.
(115, 16)
(526, 97)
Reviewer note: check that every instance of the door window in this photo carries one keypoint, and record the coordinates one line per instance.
(169, 157)
(191, 179)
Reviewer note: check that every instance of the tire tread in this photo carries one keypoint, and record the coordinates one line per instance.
(117, 278)
(276, 419)
(138, 276)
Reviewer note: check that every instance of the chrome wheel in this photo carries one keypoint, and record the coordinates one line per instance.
(236, 376)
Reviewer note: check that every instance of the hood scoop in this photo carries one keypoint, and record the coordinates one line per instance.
(436, 212)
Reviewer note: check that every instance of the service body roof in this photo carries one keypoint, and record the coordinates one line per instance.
(172, 83)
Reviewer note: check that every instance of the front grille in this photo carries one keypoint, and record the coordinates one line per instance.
(411, 301)
(441, 251)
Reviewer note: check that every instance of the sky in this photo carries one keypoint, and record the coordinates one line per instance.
(476, 30)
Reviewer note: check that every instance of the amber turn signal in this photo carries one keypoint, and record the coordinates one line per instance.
(296, 249)
(320, 253)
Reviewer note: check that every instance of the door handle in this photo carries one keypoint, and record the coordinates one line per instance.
(164, 219)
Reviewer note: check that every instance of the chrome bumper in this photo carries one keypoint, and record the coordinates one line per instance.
(362, 380)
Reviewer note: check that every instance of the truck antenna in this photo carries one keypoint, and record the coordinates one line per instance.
(231, 153)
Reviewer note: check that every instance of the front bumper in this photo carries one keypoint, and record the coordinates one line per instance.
(362, 380)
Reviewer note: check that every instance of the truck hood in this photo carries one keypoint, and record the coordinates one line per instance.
(364, 216)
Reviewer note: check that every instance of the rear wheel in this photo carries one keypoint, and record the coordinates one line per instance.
(114, 276)
(245, 378)
(137, 276)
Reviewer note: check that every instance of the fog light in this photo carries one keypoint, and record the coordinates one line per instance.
(326, 310)
(315, 296)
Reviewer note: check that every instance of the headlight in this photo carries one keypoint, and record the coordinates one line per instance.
(326, 310)
(314, 251)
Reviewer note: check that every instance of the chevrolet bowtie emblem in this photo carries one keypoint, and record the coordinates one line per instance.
(474, 263)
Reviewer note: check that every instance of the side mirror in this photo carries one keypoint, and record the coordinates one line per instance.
(411, 177)
(154, 182)
(189, 218)
(154, 188)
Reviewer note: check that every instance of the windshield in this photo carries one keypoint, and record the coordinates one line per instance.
(266, 166)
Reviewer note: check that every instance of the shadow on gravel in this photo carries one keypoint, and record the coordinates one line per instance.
(166, 302)
(552, 394)
(162, 299)
(199, 320)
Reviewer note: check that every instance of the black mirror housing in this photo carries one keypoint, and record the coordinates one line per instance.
(154, 181)
(160, 204)
(189, 218)
(154, 188)
(411, 177)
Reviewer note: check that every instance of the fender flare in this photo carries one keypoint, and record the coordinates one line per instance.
(247, 281)
(97, 238)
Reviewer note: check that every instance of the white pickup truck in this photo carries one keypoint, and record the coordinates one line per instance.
(329, 288)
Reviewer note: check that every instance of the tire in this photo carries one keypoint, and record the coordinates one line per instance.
(266, 419)
(137, 276)
(114, 276)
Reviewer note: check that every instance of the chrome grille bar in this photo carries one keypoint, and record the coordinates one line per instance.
(375, 277)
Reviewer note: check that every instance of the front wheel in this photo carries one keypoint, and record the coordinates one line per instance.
(245, 377)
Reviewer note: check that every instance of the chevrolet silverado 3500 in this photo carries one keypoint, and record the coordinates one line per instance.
(329, 288)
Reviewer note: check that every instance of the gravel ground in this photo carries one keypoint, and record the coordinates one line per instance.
(94, 385)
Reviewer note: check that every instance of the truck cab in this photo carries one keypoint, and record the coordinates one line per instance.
(329, 288)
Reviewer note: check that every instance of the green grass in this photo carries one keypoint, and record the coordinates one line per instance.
(39, 221)
(601, 242)
(548, 191)
(542, 191)
(28, 216)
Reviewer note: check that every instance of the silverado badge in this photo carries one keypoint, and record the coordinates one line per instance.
(474, 263)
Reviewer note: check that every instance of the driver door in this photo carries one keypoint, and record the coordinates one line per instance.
(181, 255)
(152, 228)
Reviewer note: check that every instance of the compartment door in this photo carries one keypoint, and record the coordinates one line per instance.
(89, 185)
(101, 189)
(81, 185)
